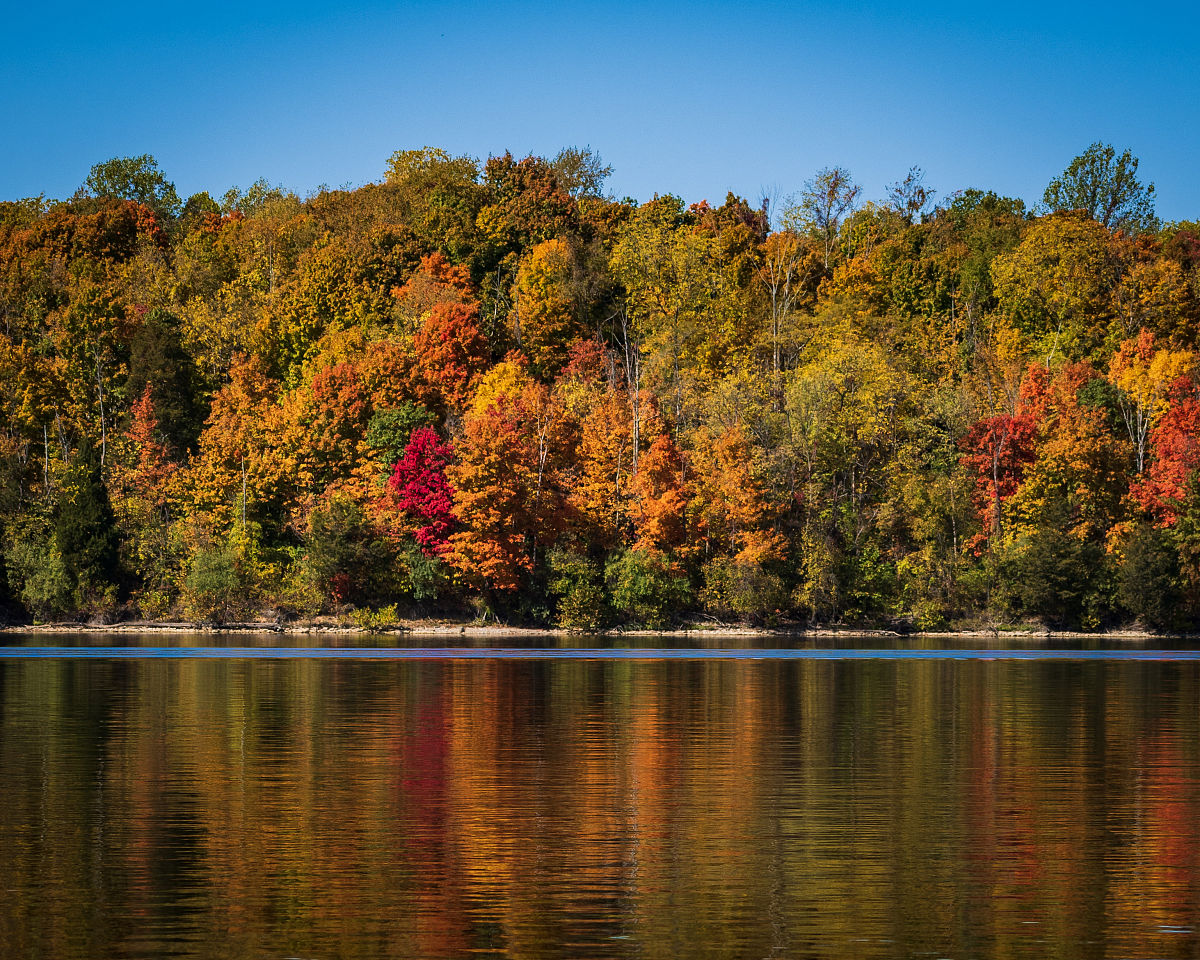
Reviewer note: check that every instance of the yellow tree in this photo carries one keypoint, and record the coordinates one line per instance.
(671, 284)
(235, 467)
(544, 311)
(788, 273)
(1056, 285)
(1143, 376)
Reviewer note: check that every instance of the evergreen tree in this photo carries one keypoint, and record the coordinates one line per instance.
(85, 532)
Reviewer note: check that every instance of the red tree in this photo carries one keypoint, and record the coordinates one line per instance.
(1175, 450)
(421, 490)
(996, 452)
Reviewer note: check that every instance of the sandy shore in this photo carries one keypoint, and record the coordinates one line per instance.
(476, 631)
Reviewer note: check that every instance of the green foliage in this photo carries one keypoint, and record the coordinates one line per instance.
(259, 198)
(580, 171)
(1148, 579)
(348, 557)
(86, 537)
(383, 618)
(1052, 575)
(390, 429)
(646, 588)
(137, 179)
(35, 570)
(213, 583)
(157, 360)
(1106, 187)
(576, 583)
(425, 577)
(745, 590)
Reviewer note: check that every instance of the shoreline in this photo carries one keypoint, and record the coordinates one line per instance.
(475, 631)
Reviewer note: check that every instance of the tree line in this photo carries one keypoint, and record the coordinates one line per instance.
(493, 389)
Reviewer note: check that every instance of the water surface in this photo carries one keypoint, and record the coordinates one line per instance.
(650, 804)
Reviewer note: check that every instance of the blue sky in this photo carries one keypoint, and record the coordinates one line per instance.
(695, 100)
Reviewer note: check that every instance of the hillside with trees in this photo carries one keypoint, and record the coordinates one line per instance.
(490, 389)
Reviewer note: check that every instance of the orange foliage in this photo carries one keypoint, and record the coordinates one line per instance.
(451, 351)
(661, 497)
(731, 502)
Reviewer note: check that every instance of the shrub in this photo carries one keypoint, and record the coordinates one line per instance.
(646, 587)
(213, 588)
(576, 584)
(1053, 575)
(380, 619)
(744, 590)
(36, 573)
(1148, 579)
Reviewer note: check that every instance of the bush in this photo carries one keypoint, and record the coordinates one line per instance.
(1148, 579)
(575, 583)
(36, 573)
(349, 558)
(744, 590)
(1053, 575)
(380, 619)
(214, 588)
(646, 588)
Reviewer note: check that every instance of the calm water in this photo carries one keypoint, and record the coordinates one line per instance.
(242, 807)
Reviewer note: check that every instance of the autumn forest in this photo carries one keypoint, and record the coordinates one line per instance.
(492, 390)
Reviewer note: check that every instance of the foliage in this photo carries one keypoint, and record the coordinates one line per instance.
(350, 558)
(390, 429)
(743, 589)
(86, 537)
(421, 492)
(375, 620)
(1148, 579)
(580, 171)
(490, 385)
(647, 588)
(137, 179)
(1050, 575)
(577, 584)
(1105, 187)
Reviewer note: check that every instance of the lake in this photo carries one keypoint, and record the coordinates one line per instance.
(652, 804)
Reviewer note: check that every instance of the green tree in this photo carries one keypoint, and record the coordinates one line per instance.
(137, 179)
(580, 171)
(86, 537)
(1107, 187)
(824, 201)
(157, 359)
(646, 587)
(1148, 579)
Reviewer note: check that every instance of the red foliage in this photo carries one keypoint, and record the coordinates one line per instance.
(436, 279)
(996, 452)
(662, 497)
(586, 361)
(1175, 445)
(421, 490)
(214, 222)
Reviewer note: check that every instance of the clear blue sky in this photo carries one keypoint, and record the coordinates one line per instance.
(694, 100)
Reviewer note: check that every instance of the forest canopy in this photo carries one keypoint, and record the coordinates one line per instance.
(493, 389)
